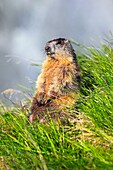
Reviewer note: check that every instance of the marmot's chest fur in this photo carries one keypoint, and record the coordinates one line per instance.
(57, 84)
(57, 76)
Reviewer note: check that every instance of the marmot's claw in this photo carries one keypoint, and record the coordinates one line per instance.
(31, 118)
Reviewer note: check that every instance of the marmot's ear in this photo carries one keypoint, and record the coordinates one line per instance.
(66, 41)
(62, 42)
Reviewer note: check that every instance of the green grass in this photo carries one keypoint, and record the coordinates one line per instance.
(86, 144)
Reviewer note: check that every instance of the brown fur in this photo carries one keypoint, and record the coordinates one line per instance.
(56, 86)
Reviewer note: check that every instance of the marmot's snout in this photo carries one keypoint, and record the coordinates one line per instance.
(50, 49)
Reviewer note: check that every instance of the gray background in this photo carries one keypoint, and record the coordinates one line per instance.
(26, 25)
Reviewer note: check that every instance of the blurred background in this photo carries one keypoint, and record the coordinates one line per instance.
(26, 25)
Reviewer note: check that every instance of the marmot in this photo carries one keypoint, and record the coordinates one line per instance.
(57, 85)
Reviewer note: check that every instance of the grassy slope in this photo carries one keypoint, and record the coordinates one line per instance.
(85, 145)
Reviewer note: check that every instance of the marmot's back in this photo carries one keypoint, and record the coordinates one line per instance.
(58, 84)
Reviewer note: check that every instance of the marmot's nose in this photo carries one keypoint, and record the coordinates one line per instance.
(50, 50)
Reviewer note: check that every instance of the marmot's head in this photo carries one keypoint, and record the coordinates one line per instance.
(59, 48)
